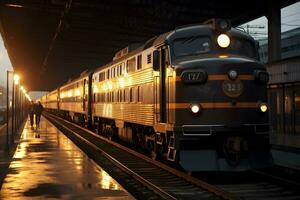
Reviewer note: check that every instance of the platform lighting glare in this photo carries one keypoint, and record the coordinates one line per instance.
(70, 93)
(95, 90)
(109, 85)
(77, 92)
(22, 88)
(121, 82)
(16, 79)
(195, 108)
(223, 40)
(263, 108)
(104, 87)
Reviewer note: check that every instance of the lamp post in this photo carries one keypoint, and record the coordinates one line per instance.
(7, 110)
(16, 81)
(19, 96)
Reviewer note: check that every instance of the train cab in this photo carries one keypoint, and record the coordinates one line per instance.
(212, 95)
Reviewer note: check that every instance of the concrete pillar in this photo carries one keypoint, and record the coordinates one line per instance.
(274, 32)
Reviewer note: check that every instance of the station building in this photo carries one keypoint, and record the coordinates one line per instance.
(284, 84)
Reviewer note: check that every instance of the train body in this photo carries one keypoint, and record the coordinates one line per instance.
(183, 95)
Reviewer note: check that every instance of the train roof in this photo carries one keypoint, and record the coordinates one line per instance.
(179, 32)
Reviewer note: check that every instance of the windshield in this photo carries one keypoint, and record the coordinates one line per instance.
(241, 47)
(191, 45)
(202, 44)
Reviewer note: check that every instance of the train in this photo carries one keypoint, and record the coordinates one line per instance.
(195, 96)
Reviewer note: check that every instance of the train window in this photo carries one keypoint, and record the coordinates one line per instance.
(139, 62)
(107, 74)
(131, 63)
(139, 94)
(112, 97)
(121, 96)
(102, 76)
(124, 95)
(149, 59)
(191, 45)
(130, 95)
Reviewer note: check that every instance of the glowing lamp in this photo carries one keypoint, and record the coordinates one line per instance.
(223, 40)
(263, 107)
(195, 108)
(16, 79)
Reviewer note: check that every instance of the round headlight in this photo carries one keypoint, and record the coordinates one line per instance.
(223, 40)
(263, 107)
(232, 74)
(195, 108)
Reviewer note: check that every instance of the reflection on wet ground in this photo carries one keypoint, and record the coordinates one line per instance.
(47, 164)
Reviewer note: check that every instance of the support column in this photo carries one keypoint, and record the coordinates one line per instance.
(274, 32)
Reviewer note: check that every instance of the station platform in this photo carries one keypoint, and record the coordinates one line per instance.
(286, 150)
(47, 165)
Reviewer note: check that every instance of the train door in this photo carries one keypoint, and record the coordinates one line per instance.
(58, 98)
(160, 85)
(84, 95)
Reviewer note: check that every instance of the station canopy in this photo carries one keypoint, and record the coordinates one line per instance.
(51, 41)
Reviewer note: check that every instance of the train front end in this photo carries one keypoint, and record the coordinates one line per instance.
(221, 111)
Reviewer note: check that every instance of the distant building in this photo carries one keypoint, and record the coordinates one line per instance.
(290, 45)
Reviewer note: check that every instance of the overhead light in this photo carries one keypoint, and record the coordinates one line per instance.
(14, 5)
(16, 79)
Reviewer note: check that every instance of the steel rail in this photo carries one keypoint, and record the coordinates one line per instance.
(210, 188)
(278, 179)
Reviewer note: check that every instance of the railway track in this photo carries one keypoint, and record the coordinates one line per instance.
(256, 185)
(168, 183)
(158, 180)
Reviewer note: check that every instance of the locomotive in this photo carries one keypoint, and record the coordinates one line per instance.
(195, 96)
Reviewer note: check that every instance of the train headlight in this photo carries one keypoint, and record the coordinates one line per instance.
(223, 40)
(195, 108)
(232, 74)
(263, 107)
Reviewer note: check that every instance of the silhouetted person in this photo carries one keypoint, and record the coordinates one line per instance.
(38, 109)
(31, 113)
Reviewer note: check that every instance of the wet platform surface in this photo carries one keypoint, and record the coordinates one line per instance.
(47, 165)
